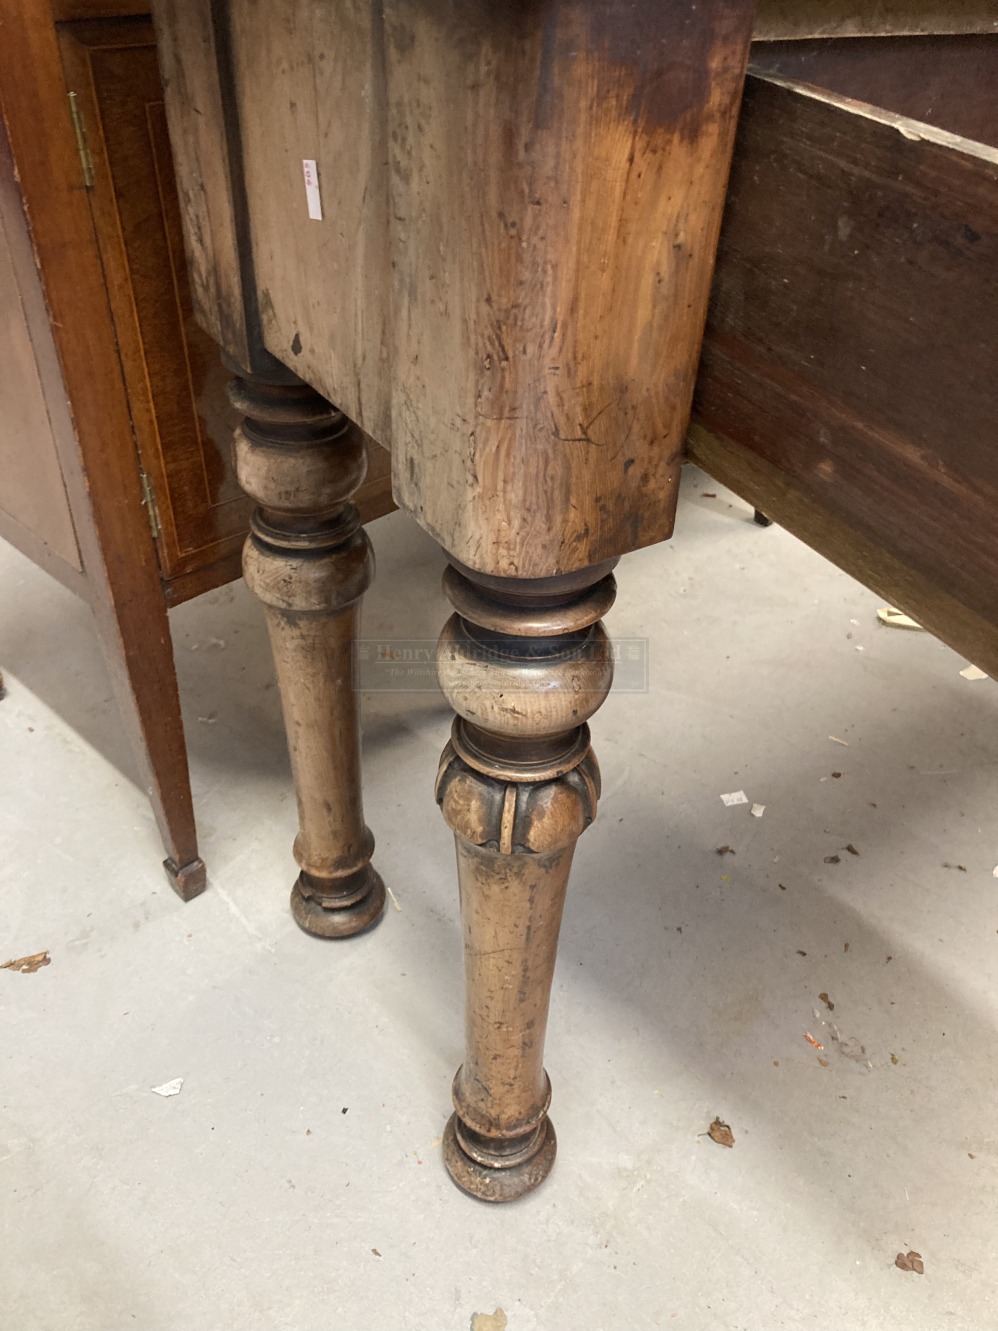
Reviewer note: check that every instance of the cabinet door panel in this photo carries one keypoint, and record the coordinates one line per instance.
(175, 380)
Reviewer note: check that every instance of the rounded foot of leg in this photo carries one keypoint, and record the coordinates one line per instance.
(499, 1183)
(325, 919)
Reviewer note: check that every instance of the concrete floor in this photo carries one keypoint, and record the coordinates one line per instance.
(296, 1181)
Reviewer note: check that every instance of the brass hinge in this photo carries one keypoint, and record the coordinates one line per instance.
(86, 161)
(149, 500)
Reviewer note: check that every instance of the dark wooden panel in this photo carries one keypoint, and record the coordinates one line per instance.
(856, 18)
(65, 10)
(34, 509)
(949, 82)
(775, 492)
(853, 325)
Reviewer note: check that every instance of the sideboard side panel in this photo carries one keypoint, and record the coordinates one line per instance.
(557, 177)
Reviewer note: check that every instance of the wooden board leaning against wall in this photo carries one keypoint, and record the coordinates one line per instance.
(847, 382)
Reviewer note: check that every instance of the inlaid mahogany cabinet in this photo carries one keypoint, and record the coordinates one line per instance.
(116, 469)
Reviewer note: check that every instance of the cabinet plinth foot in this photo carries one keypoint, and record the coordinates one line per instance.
(187, 880)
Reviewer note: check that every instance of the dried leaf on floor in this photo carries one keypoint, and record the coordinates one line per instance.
(961, 867)
(28, 965)
(815, 1044)
(852, 849)
(895, 1060)
(721, 1133)
(910, 1261)
(827, 1002)
(375, 1252)
(833, 859)
(725, 850)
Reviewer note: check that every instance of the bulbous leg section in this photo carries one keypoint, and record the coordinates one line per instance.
(309, 562)
(518, 784)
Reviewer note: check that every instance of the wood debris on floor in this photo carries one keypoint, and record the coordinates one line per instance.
(721, 1133)
(910, 1261)
(28, 965)
(489, 1321)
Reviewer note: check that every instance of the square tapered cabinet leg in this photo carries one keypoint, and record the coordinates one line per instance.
(309, 561)
(524, 663)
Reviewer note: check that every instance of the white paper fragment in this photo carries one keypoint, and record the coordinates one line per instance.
(897, 619)
(861, 649)
(169, 1087)
(854, 621)
(835, 740)
(974, 672)
(736, 797)
(995, 871)
(758, 810)
(312, 196)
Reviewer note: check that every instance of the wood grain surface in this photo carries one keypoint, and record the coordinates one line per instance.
(850, 346)
(176, 383)
(949, 82)
(310, 84)
(780, 19)
(195, 66)
(519, 212)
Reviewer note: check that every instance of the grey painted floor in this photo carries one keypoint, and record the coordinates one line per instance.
(296, 1182)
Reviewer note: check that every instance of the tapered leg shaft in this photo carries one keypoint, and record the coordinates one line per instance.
(309, 561)
(524, 664)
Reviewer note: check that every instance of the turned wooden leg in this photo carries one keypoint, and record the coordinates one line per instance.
(309, 561)
(524, 663)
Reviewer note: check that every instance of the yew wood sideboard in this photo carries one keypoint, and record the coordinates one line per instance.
(485, 236)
